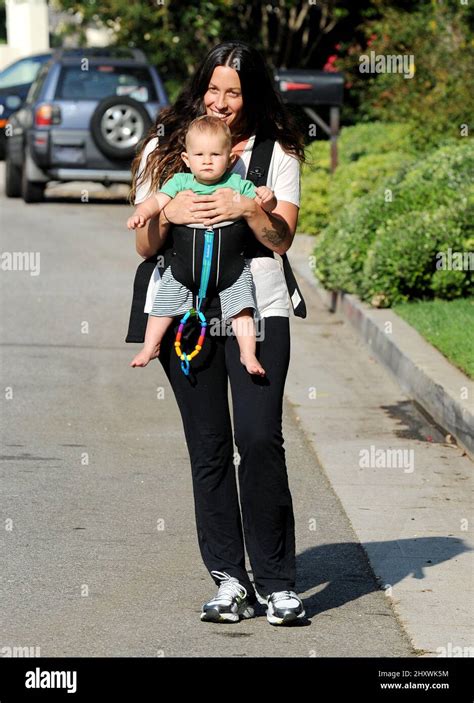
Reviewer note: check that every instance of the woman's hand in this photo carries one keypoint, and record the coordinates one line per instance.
(224, 204)
(181, 209)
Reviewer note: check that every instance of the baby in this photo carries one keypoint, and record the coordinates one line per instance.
(208, 156)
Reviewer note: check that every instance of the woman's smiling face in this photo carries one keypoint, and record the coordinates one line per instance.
(223, 97)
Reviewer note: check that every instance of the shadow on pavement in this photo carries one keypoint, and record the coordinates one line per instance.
(345, 568)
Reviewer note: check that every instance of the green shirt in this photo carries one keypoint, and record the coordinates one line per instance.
(187, 181)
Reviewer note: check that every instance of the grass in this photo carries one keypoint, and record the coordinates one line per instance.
(448, 325)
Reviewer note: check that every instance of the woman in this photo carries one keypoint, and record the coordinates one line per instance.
(233, 84)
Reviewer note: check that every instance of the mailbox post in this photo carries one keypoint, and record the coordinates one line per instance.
(311, 89)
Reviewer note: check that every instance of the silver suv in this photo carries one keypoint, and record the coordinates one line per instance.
(82, 120)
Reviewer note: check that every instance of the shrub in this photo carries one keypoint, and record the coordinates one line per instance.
(315, 179)
(383, 248)
(375, 138)
(368, 155)
(451, 284)
(401, 264)
(436, 100)
(363, 176)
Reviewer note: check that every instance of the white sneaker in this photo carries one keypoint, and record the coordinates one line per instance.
(283, 607)
(231, 602)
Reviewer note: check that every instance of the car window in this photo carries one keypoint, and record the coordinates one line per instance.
(103, 81)
(20, 73)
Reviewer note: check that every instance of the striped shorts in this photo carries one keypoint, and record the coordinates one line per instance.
(173, 299)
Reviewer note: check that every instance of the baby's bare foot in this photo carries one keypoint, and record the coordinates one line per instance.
(145, 356)
(140, 359)
(252, 364)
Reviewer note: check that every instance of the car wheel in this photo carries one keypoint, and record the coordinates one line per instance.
(31, 191)
(12, 178)
(118, 125)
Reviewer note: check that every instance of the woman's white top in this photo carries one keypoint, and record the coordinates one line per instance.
(271, 291)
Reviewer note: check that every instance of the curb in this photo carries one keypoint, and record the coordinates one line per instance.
(441, 389)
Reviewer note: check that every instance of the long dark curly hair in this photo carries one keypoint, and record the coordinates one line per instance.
(263, 110)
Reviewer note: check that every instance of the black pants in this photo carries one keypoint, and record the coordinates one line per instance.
(267, 509)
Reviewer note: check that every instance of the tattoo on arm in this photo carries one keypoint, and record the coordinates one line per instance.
(274, 236)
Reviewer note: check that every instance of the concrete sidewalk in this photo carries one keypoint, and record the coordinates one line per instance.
(410, 509)
(444, 392)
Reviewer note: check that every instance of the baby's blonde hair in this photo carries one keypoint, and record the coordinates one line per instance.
(211, 125)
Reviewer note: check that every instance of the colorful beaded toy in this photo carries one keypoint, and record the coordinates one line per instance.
(205, 273)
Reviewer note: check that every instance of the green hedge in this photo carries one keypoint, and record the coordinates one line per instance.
(401, 264)
(368, 155)
(361, 177)
(368, 138)
(383, 246)
(315, 180)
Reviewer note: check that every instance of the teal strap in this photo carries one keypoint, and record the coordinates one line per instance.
(206, 265)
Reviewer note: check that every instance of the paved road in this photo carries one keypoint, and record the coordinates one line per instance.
(101, 556)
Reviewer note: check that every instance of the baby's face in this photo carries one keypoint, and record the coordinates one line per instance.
(207, 156)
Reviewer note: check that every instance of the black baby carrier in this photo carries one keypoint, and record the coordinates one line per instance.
(257, 173)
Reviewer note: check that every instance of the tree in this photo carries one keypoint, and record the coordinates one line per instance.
(289, 32)
(176, 35)
(436, 102)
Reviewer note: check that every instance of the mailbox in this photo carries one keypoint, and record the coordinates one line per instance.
(311, 89)
(305, 87)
